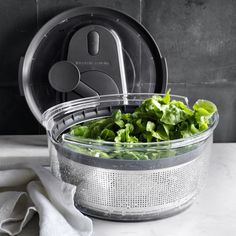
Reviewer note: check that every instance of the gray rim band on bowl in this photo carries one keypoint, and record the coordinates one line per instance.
(131, 164)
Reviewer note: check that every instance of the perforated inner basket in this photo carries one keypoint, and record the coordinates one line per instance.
(134, 195)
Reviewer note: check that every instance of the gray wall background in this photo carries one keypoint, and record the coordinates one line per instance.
(198, 38)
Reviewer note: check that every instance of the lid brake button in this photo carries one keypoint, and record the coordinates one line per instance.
(93, 43)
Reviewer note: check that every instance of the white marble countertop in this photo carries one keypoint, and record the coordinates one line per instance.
(213, 213)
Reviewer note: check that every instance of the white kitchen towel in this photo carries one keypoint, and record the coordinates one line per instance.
(50, 197)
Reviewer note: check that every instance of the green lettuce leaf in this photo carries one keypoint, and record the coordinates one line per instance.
(203, 112)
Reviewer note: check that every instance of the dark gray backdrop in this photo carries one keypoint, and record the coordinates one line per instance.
(198, 38)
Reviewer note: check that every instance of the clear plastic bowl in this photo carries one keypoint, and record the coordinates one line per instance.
(163, 183)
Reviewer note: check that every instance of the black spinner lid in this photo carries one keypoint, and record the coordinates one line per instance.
(90, 51)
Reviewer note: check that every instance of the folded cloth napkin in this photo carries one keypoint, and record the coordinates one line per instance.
(45, 194)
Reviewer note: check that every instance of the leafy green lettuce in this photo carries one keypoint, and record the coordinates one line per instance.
(157, 119)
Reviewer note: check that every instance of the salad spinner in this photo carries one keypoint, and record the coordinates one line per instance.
(84, 64)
